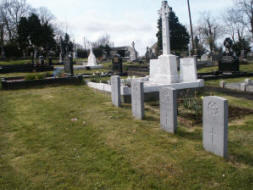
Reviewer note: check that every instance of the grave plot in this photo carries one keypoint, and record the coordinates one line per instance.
(190, 109)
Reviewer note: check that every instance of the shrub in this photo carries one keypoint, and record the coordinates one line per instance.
(30, 77)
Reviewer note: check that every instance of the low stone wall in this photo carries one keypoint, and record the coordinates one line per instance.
(148, 94)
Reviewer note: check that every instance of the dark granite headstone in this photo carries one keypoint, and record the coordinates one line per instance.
(68, 65)
(117, 65)
(229, 62)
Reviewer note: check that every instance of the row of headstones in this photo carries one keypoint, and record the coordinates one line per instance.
(215, 114)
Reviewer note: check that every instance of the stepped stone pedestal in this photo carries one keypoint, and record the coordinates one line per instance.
(164, 70)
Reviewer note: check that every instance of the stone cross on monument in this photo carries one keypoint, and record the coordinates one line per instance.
(164, 13)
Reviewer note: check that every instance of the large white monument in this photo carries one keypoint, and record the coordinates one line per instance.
(92, 61)
(164, 69)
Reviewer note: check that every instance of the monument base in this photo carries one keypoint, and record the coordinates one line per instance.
(164, 70)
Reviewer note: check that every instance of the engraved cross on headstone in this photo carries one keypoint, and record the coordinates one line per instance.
(164, 13)
(213, 135)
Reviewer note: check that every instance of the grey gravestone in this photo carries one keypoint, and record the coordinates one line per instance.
(68, 65)
(215, 125)
(115, 84)
(137, 99)
(168, 109)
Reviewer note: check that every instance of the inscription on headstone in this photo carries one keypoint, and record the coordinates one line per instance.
(215, 125)
(115, 84)
(137, 99)
(168, 109)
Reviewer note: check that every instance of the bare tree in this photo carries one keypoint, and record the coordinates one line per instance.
(11, 11)
(246, 7)
(209, 31)
(235, 23)
(103, 41)
(45, 15)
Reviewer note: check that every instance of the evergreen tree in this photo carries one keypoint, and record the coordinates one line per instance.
(48, 41)
(179, 37)
(240, 45)
(35, 30)
(23, 34)
(32, 33)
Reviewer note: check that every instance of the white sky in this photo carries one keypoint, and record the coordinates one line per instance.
(124, 20)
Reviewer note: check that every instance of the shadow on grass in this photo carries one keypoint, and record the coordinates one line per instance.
(237, 154)
(151, 118)
(194, 136)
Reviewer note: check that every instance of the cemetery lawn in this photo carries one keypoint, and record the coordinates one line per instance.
(71, 137)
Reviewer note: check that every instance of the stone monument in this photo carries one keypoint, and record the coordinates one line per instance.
(229, 62)
(92, 61)
(164, 69)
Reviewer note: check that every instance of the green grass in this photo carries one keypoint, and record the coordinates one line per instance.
(16, 62)
(106, 148)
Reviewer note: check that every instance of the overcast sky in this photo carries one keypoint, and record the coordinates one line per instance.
(124, 20)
